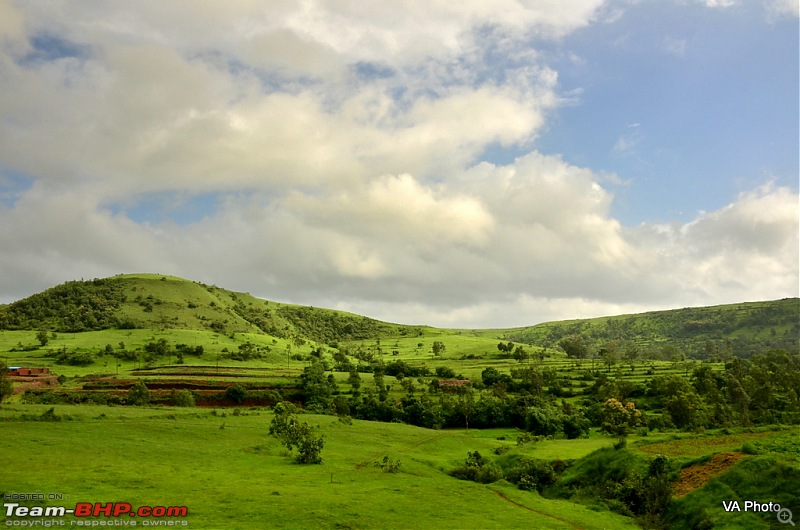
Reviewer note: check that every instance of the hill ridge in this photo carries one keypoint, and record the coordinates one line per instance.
(151, 300)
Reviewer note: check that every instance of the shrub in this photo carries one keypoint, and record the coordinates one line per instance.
(236, 393)
(50, 415)
(182, 398)
(531, 474)
(138, 394)
(477, 468)
(388, 465)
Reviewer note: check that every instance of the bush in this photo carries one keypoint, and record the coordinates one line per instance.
(477, 468)
(749, 449)
(388, 465)
(182, 398)
(138, 394)
(531, 474)
(236, 393)
(50, 415)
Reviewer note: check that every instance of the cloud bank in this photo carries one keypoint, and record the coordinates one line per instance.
(334, 154)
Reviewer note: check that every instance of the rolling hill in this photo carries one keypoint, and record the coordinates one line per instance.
(151, 301)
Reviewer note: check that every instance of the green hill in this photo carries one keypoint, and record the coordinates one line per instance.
(156, 302)
(148, 301)
(701, 332)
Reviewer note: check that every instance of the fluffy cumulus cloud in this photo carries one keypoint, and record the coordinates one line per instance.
(333, 153)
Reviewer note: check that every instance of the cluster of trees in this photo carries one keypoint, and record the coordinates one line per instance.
(435, 407)
(760, 390)
(71, 307)
(740, 330)
(329, 327)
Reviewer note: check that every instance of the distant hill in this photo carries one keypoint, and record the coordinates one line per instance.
(738, 329)
(166, 302)
(151, 301)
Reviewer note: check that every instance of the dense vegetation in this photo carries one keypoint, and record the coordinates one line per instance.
(70, 307)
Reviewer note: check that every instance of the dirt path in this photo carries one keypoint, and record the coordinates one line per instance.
(695, 477)
(560, 520)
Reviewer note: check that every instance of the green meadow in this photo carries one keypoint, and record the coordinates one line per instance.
(231, 474)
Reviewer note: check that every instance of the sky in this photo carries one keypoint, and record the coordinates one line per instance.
(462, 164)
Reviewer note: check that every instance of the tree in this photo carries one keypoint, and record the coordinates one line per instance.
(438, 348)
(354, 379)
(316, 387)
(686, 410)
(236, 393)
(619, 418)
(520, 354)
(43, 337)
(138, 394)
(505, 347)
(609, 354)
(574, 346)
(465, 403)
(295, 434)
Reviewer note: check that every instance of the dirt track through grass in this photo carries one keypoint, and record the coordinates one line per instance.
(560, 520)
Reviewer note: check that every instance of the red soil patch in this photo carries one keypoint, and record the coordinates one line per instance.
(32, 382)
(696, 476)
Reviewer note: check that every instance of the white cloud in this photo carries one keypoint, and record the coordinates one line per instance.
(782, 8)
(345, 141)
(746, 250)
(719, 3)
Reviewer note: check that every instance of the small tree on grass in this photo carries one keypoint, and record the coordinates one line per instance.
(43, 337)
(293, 433)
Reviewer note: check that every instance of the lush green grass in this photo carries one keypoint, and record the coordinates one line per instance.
(696, 445)
(762, 479)
(232, 475)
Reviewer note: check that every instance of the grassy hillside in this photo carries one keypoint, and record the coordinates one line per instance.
(148, 301)
(701, 332)
(234, 476)
(161, 303)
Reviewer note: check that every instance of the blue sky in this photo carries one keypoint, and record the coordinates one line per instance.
(689, 105)
(467, 164)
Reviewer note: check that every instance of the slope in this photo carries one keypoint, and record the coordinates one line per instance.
(150, 301)
(739, 329)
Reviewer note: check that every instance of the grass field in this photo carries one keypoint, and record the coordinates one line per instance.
(230, 474)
